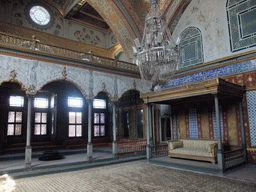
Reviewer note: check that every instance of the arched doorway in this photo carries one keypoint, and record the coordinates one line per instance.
(131, 116)
(13, 104)
(68, 113)
(101, 129)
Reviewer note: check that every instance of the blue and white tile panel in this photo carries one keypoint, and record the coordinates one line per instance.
(215, 124)
(193, 123)
(251, 104)
(212, 73)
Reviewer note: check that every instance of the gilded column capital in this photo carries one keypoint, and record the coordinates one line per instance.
(31, 91)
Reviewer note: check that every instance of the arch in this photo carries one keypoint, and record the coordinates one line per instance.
(117, 51)
(118, 23)
(110, 97)
(22, 86)
(125, 92)
(67, 80)
(191, 47)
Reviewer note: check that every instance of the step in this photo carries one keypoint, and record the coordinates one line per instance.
(67, 167)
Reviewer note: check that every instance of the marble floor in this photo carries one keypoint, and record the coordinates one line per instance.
(130, 176)
(242, 177)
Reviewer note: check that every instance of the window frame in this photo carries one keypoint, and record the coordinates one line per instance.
(33, 23)
(16, 109)
(76, 124)
(75, 109)
(41, 110)
(105, 124)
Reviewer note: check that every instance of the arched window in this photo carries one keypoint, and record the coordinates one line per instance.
(241, 15)
(191, 48)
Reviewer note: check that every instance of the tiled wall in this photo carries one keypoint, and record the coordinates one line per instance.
(214, 123)
(251, 97)
(212, 73)
(193, 128)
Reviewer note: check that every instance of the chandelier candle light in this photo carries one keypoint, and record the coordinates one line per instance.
(157, 54)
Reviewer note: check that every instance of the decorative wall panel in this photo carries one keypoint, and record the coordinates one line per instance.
(214, 123)
(38, 73)
(193, 123)
(191, 48)
(212, 73)
(242, 24)
(251, 97)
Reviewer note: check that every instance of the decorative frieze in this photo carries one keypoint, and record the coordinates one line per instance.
(34, 74)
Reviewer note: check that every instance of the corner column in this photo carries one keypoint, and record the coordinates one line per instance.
(28, 149)
(220, 148)
(175, 127)
(114, 144)
(89, 144)
(149, 131)
(242, 130)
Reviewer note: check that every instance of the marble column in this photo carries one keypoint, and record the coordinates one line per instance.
(114, 145)
(149, 131)
(220, 147)
(89, 144)
(28, 150)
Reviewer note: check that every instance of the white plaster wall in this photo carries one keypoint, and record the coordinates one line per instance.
(210, 17)
(39, 73)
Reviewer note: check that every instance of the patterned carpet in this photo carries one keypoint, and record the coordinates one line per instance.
(133, 176)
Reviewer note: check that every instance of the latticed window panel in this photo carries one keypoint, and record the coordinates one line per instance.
(40, 123)
(241, 17)
(99, 124)
(14, 126)
(75, 124)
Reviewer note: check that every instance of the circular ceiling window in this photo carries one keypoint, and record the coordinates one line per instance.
(39, 15)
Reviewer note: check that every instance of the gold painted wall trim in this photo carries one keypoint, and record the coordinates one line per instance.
(251, 149)
(208, 86)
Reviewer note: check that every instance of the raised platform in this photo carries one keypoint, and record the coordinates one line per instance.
(191, 165)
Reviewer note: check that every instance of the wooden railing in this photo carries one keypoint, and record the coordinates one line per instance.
(83, 57)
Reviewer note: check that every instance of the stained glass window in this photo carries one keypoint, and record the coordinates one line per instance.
(39, 15)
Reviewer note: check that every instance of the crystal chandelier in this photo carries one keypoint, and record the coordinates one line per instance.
(157, 54)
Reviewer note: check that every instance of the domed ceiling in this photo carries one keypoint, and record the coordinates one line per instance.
(124, 17)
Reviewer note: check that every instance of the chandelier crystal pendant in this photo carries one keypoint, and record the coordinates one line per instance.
(157, 54)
